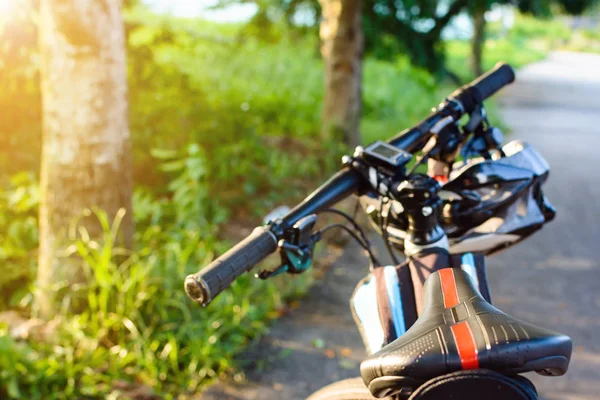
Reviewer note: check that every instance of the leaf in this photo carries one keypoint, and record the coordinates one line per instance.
(193, 149)
(195, 167)
(318, 343)
(293, 305)
(172, 166)
(13, 389)
(143, 36)
(163, 154)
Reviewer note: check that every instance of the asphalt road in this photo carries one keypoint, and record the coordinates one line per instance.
(551, 280)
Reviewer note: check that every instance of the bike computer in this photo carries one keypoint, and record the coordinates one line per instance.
(385, 155)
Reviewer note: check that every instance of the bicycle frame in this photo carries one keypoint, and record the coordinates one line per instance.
(365, 300)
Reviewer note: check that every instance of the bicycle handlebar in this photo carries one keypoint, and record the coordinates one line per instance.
(206, 284)
(483, 87)
(461, 101)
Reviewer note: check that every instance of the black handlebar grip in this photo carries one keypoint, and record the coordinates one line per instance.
(206, 284)
(483, 87)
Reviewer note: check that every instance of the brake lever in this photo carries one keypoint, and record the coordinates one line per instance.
(476, 119)
(485, 136)
(296, 249)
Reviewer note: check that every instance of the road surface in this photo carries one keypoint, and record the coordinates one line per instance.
(552, 279)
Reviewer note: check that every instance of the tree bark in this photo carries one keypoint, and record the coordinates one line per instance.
(86, 150)
(342, 49)
(478, 41)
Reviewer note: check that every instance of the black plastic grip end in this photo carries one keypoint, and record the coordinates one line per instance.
(205, 285)
(494, 80)
(196, 290)
(484, 87)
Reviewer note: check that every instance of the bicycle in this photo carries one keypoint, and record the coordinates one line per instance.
(427, 322)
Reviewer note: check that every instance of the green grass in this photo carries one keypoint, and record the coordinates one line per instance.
(237, 123)
(396, 96)
(137, 326)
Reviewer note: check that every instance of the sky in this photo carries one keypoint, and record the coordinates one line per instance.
(197, 8)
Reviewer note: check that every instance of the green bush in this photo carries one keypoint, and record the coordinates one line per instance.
(396, 96)
(526, 28)
(527, 41)
(19, 201)
(138, 326)
(584, 40)
(253, 109)
(252, 114)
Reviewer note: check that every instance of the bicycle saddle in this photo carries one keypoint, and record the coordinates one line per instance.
(459, 330)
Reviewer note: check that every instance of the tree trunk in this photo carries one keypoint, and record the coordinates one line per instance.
(478, 41)
(86, 160)
(342, 49)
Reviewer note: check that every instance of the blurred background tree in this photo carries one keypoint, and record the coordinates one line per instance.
(342, 51)
(86, 153)
(477, 11)
(406, 26)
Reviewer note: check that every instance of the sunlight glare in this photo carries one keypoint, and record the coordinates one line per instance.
(6, 6)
